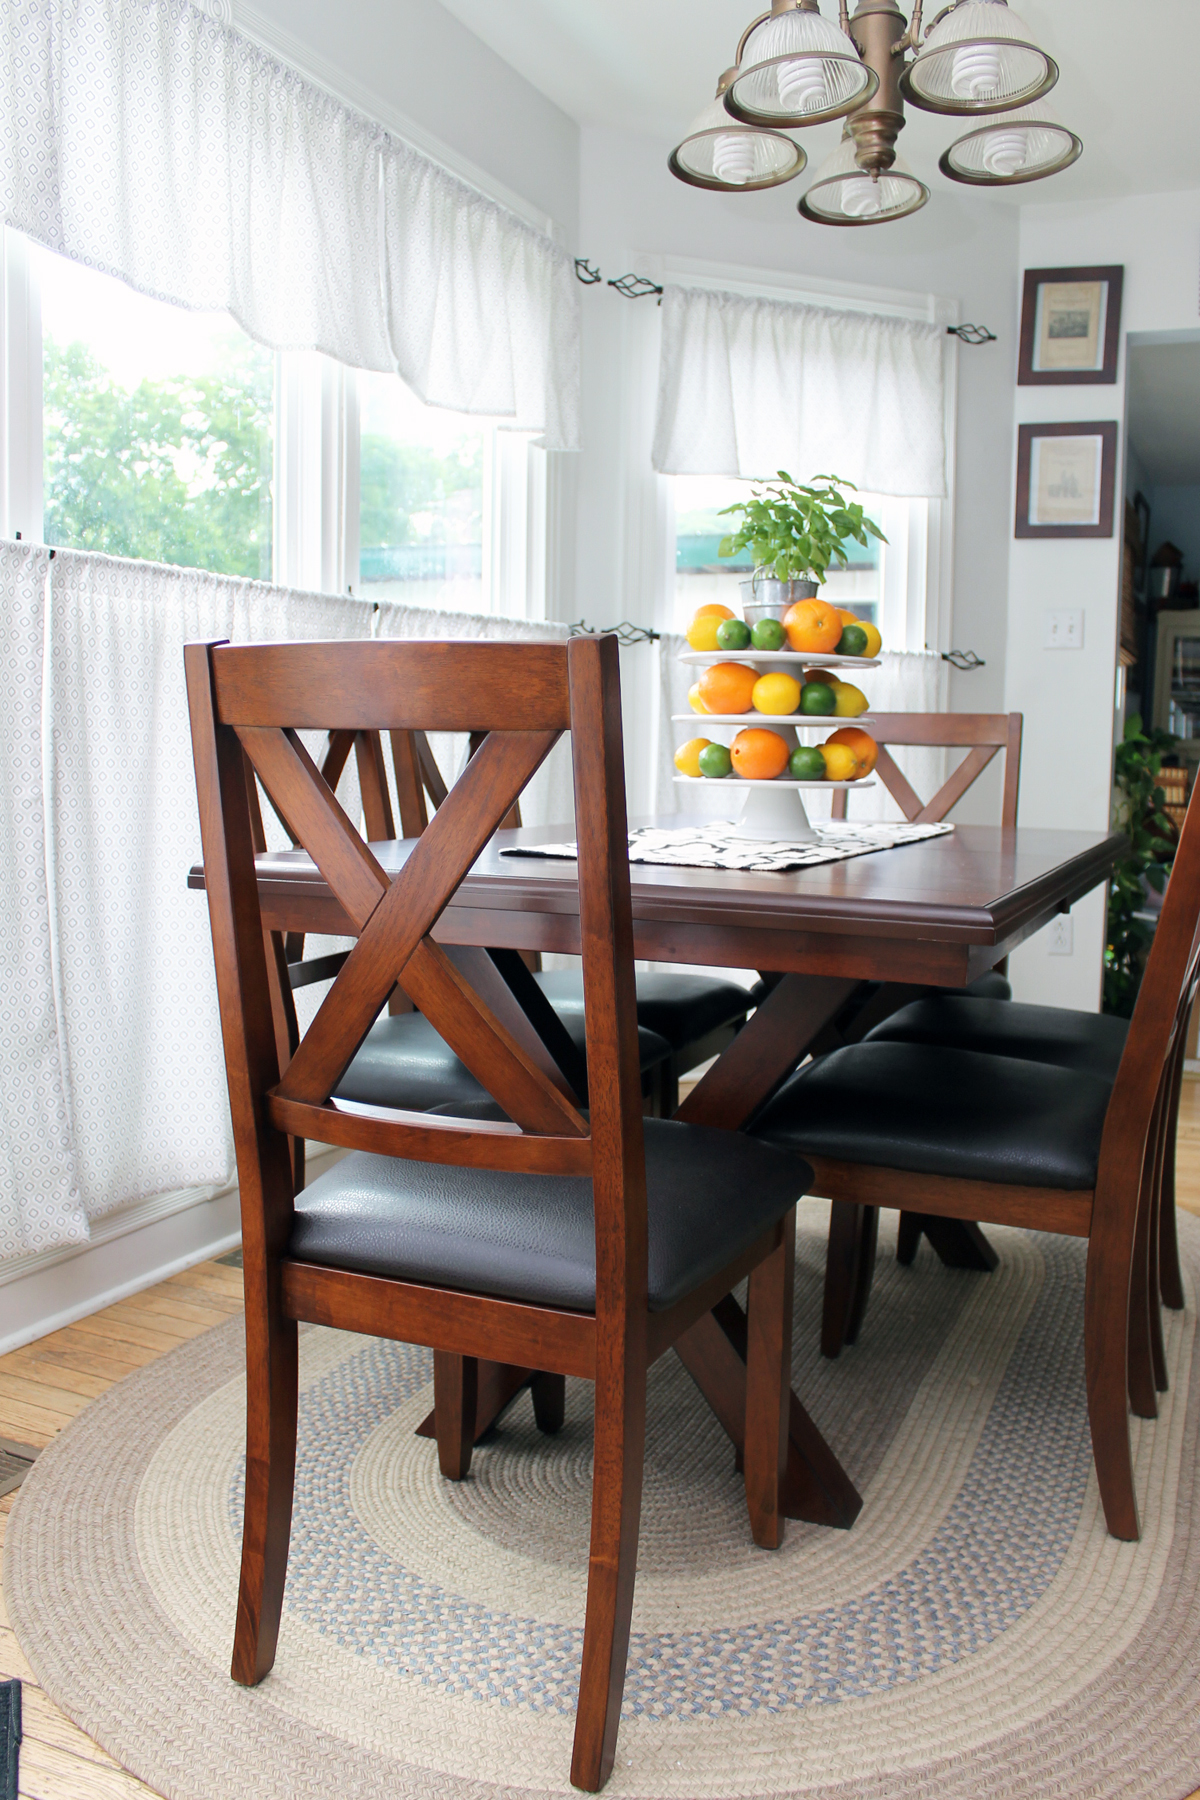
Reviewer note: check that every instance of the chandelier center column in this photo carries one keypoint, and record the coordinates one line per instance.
(876, 26)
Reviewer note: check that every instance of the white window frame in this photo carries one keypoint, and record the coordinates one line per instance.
(919, 556)
(315, 487)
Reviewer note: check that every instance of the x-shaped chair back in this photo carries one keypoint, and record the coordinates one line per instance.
(252, 702)
(982, 735)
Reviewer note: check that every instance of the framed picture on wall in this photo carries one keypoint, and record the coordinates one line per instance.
(1066, 480)
(1070, 326)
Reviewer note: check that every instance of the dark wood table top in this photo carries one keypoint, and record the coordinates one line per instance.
(940, 911)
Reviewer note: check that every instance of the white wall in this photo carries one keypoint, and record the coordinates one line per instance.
(1067, 697)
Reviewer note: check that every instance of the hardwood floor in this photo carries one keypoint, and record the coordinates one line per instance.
(44, 1386)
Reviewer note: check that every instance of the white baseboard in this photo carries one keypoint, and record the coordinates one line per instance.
(130, 1250)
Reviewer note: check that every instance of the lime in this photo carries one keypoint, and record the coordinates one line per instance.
(768, 634)
(853, 641)
(715, 761)
(817, 697)
(807, 763)
(733, 634)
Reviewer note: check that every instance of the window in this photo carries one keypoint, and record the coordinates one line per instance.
(424, 487)
(158, 427)
(882, 583)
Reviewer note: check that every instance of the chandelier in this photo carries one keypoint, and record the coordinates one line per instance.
(976, 63)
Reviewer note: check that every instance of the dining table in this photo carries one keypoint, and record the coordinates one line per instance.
(933, 913)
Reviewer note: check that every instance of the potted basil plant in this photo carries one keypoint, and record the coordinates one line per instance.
(794, 531)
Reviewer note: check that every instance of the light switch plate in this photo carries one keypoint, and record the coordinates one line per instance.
(1062, 628)
(1062, 936)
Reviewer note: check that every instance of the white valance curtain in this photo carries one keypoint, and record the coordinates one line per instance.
(750, 386)
(144, 139)
(113, 1083)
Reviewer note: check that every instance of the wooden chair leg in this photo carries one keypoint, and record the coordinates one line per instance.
(1158, 1349)
(908, 1238)
(842, 1258)
(1143, 1395)
(1106, 1361)
(864, 1272)
(769, 1388)
(455, 1385)
(612, 1567)
(549, 1401)
(271, 1400)
(1170, 1274)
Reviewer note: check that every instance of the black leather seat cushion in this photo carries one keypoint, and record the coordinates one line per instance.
(1090, 1042)
(403, 1062)
(532, 1237)
(943, 1112)
(680, 1007)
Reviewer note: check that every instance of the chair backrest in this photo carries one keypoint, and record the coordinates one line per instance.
(982, 735)
(1164, 1002)
(251, 703)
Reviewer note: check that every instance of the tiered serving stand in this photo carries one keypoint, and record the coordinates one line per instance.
(774, 810)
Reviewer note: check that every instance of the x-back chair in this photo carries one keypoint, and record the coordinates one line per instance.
(984, 736)
(1010, 1139)
(595, 1240)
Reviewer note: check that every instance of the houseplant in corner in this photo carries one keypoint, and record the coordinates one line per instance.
(794, 531)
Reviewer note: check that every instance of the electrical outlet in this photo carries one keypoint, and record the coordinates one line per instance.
(1062, 628)
(1062, 936)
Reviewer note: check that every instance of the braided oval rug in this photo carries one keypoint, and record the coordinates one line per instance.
(977, 1632)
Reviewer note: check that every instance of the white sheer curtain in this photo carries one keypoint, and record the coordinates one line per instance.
(136, 996)
(39, 1197)
(148, 141)
(749, 386)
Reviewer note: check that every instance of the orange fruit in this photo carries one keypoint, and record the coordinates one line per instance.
(727, 687)
(813, 625)
(758, 755)
(713, 610)
(828, 676)
(861, 742)
(848, 618)
(841, 764)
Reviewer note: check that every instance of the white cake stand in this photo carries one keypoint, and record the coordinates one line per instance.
(773, 809)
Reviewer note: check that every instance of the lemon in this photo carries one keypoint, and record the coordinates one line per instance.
(874, 640)
(775, 694)
(702, 632)
(694, 700)
(849, 701)
(687, 757)
(841, 764)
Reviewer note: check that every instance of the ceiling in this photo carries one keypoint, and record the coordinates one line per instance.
(650, 65)
(1163, 399)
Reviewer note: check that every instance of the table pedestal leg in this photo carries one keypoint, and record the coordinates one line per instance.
(817, 1487)
(495, 1387)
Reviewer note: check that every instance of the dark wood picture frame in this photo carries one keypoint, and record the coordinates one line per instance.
(1106, 430)
(1035, 280)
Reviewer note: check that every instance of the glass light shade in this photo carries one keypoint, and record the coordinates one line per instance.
(719, 152)
(844, 194)
(978, 59)
(797, 68)
(1019, 146)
